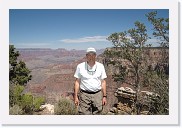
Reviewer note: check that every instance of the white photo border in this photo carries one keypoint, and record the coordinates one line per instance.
(171, 119)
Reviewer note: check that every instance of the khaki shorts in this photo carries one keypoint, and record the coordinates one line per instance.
(90, 104)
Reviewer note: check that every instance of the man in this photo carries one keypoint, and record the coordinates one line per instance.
(90, 84)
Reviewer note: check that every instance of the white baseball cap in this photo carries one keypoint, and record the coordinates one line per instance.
(91, 50)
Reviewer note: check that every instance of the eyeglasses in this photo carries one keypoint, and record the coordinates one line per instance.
(91, 72)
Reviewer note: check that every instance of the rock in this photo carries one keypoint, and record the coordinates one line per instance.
(147, 93)
(122, 112)
(48, 109)
(114, 110)
(144, 112)
(110, 113)
(125, 92)
(126, 99)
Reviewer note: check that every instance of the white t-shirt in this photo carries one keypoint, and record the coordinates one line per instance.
(90, 78)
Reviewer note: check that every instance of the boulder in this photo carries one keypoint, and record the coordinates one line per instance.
(126, 99)
(125, 92)
(48, 109)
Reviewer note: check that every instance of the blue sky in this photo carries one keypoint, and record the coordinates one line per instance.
(72, 28)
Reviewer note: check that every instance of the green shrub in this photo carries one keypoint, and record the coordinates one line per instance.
(15, 110)
(65, 107)
(27, 103)
(38, 101)
(15, 94)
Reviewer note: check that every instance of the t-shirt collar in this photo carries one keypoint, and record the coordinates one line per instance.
(91, 68)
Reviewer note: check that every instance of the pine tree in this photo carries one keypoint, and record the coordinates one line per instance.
(18, 72)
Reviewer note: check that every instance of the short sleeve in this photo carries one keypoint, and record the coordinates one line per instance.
(103, 75)
(77, 72)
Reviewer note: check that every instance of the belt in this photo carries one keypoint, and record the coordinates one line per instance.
(89, 92)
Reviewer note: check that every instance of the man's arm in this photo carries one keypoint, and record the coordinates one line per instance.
(104, 87)
(104, 100)
(76, 89)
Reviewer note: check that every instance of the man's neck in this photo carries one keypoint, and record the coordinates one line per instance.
(91, 64)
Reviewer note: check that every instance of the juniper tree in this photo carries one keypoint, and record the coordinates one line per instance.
(131, 59)
(19, 75)
(129, 56)
(18, 72)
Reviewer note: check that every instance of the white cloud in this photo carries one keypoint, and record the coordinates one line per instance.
(85, 39)
(32, 45)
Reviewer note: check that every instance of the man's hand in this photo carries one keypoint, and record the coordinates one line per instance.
(104, 101)
(76, 89)
(76, 100)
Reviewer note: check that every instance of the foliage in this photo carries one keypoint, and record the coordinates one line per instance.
(159, 83)
(15, 95)
(130, 58)
(161, 28)
(132, 44)
(38, 101)
(65, 107)
(13, 55)
(19, 75)
(18, 72)
(30, 103)
(15, 110)
(27, 103)
(161, 31)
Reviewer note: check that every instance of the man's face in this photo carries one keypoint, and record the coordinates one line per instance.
(91, 56)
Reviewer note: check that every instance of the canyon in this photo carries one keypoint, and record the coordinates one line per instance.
(52, 72)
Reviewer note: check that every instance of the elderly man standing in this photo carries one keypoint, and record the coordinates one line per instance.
(91, 85)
